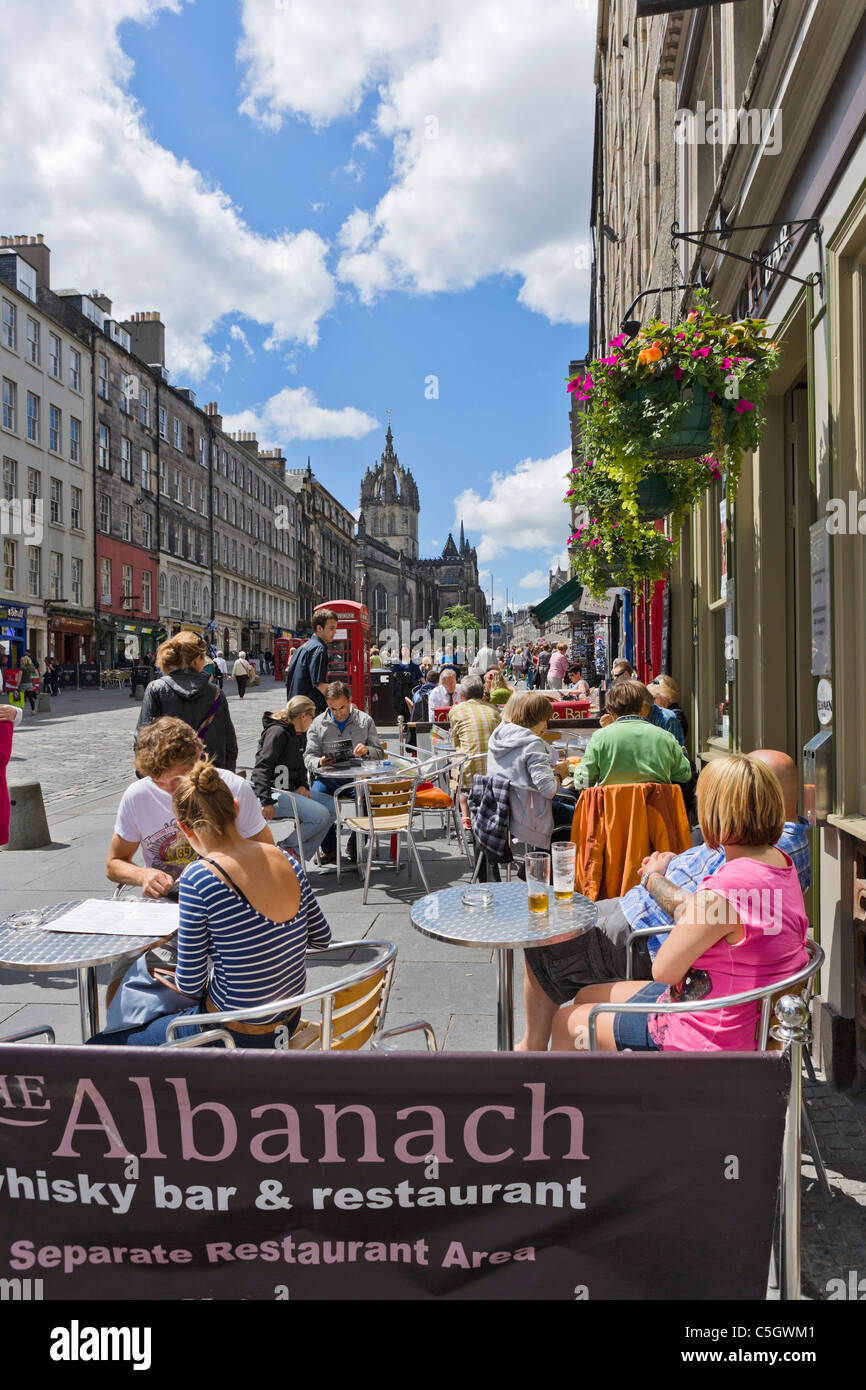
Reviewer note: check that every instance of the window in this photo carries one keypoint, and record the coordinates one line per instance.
(178, 444)
(224, 464)
(9, 565)
(202, 451)
(104, 449)
(10, 404)
(202, 499)
(125, 459)
(55, 356)
(102, 383)
(205, 601)
(105, 513)
(225, 506)
(144, 407)
(196, 598)
(32, 341)
(234, 555)
(126, 529)
(75, 369)
(76, 496)
(189, 494)
(234, 511)
(146, 591)
(186, 596)
(34, 492)
(225, 550)
(145, 470)
(175, 591)
(177, 496)
(163, 533)
(78, 581)
(163, 487)
(10, 325)
(104, 580)
(163, 424)
(56, 503)
(147, 530)
(33, 410)
(126, 586)
(56, 575)
(74, 439)
(234, 471)
(34, 571)
(190, 442)
(162, 591)
(10, 479)
(55, 430)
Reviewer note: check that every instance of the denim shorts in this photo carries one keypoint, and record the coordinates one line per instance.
(631, 1031)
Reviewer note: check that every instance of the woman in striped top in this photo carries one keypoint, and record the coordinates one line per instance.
(245, 906)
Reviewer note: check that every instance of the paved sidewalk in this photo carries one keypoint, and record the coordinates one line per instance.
(453, 988)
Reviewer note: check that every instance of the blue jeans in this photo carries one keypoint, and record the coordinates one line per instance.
(316, 815)
(153, 1034)
(322, 791)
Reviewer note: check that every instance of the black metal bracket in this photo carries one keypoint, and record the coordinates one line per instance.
(699, 238)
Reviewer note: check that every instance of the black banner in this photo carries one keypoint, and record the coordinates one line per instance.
(135, 1174)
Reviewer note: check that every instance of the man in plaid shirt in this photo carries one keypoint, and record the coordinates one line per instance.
(471, 722)
(554, 974)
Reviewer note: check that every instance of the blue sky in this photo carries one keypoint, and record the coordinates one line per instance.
(330, 205)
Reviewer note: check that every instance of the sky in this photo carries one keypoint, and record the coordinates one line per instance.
(338, 210)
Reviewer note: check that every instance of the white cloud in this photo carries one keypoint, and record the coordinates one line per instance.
(239, 336)
(489, 108)
(533, 580)
(294, 413)
(523, 509)
(120, 211)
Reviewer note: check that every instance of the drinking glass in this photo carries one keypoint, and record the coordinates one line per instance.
(563, 857)
(538, 881)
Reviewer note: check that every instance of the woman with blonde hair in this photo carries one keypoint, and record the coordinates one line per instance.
(558, 666)
(247, 919)
(185, 692)
(280, 768)
(497, 691)
(744, 928)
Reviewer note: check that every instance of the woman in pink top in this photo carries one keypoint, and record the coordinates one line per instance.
(744, 928)
(9, 717)
(558, 667)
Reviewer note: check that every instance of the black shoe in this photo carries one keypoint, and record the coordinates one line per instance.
(327, 856)
(351, 850)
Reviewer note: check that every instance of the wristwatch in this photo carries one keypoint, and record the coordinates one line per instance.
(645, 878)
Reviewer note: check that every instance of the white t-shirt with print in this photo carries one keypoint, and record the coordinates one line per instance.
(145, 815)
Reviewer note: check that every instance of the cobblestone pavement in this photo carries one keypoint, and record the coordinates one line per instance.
(83, 746)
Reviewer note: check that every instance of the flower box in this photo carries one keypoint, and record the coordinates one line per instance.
(694, 433)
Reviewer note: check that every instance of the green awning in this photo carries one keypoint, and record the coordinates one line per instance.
(555, 603)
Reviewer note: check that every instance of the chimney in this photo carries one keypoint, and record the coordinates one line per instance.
(275, 460)
(33, 250)
(247, 441)
(213, 411)
(147, 336)
(101, 301)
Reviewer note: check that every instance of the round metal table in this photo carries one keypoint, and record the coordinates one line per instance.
(33, 948)
(505, 926)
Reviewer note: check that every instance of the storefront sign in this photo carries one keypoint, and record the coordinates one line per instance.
(819, 546)
(173, 1175)
(602, 608)
(825, 702)
(88, 675)
(11, 612)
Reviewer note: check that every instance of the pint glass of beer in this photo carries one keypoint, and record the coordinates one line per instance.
(538, 881)
(563, 861)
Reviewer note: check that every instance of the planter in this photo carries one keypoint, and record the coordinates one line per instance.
(654, 498)
(694, 435)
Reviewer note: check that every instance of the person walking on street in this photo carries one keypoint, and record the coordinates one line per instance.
(185, 692)
(28, 671)
(222, 669)
(242, 671)
(308, 672)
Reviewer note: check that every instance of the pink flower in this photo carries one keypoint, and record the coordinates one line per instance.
(594, 543)
(573, 385)
(700, 352)
(742, 406)
(711, 394)
(728, 363)
(679, 335)
(609, 361)
(678, 372)
(618, 342)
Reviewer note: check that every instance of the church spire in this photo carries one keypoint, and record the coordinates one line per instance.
(462, 538)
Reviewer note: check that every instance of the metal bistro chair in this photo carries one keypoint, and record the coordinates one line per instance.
(390, 807)
(352, 1009)
(440, 800)
(46, 1031)
(791, 1032)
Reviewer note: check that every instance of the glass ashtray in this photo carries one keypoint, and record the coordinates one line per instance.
(477, 897)
(33, 917)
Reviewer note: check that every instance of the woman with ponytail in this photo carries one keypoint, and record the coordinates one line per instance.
(185, 692)
(247, 919)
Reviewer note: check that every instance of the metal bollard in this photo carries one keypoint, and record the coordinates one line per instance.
(138, 693)
(43, 704)
(792, 1030)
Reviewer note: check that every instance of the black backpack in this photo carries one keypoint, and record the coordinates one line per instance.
(421, 707)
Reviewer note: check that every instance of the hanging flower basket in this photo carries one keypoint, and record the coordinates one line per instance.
(663, 415)
(693, 435)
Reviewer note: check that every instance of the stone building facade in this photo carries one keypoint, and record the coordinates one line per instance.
(397, 587)
(325, 544)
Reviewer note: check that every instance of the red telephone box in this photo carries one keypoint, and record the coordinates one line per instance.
(349, 653)
(284, 650)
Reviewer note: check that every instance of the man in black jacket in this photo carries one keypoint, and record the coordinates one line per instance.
(308, 669)
(185, 692)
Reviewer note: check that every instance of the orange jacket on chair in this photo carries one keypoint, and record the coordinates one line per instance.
(617, 826)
